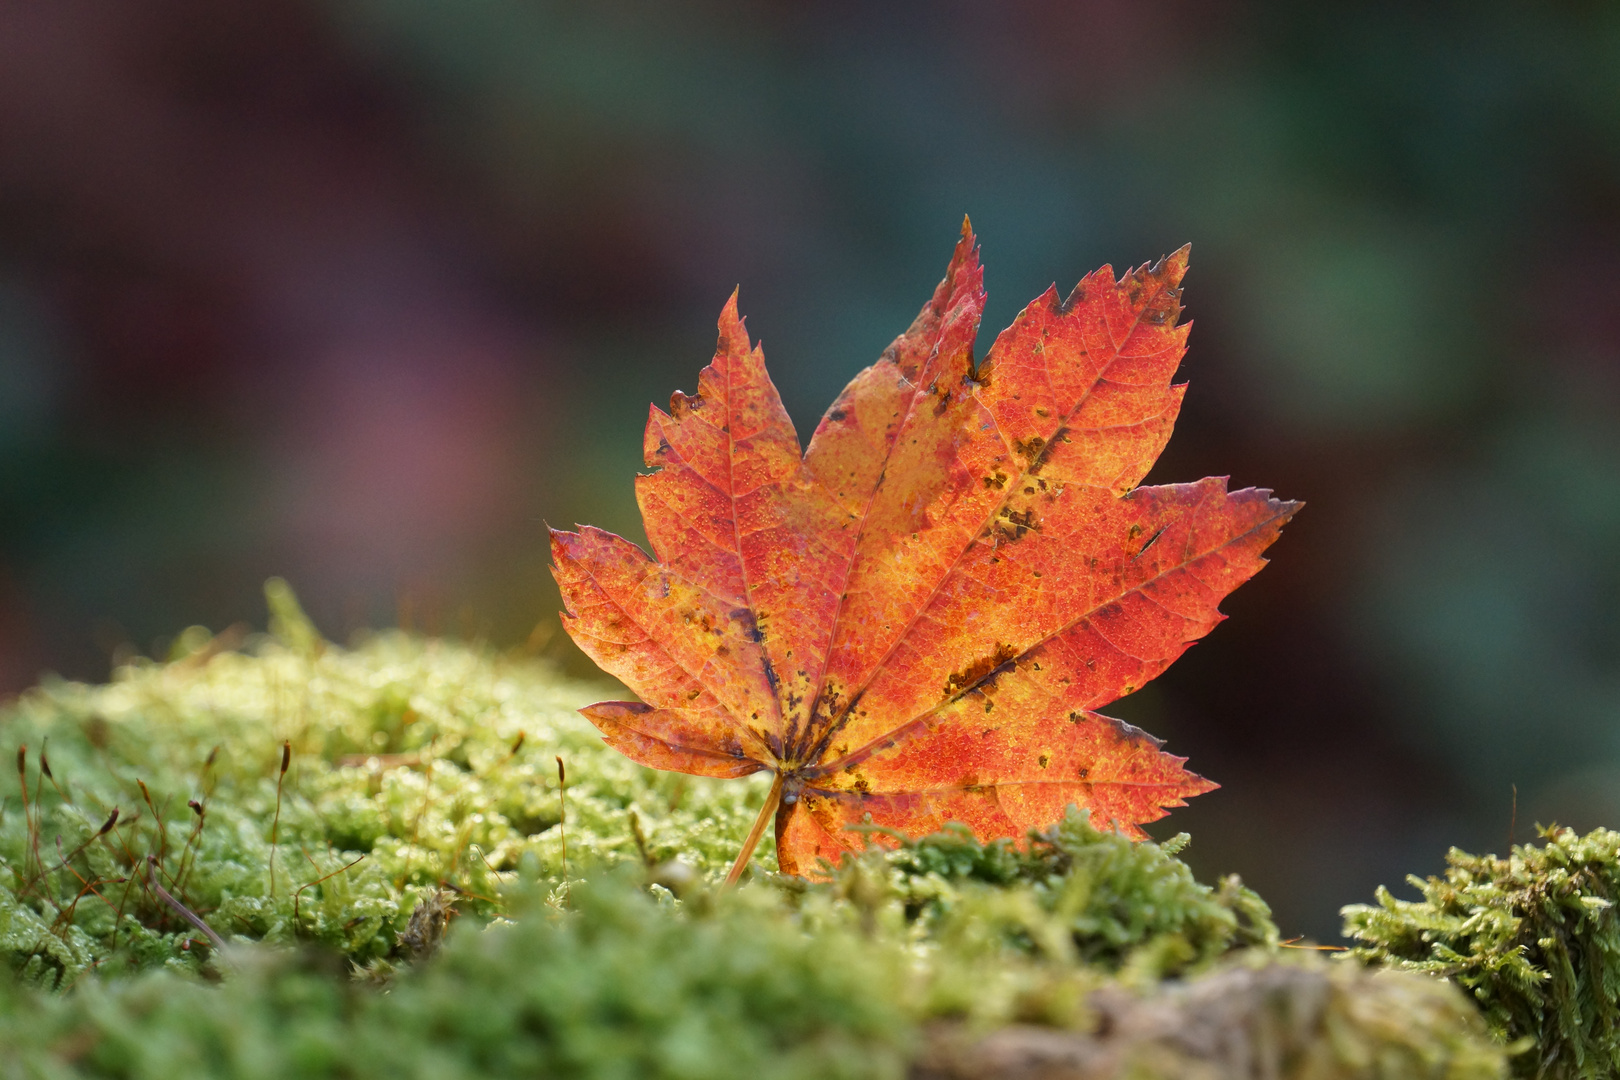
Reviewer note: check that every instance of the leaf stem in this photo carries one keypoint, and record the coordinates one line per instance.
(766, 813)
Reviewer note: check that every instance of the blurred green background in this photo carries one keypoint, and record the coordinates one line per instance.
(362, 292)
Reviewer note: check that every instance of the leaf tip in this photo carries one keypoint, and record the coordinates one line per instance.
(966, 255)
(733, 339)
(1173, 267)
(564, 544)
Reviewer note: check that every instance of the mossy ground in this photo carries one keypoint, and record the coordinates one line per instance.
(421, 776)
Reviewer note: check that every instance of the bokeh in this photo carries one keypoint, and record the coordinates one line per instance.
(364, 292)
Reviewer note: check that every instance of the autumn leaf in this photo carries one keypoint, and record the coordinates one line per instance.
(915, 619)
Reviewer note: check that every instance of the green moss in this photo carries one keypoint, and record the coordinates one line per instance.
(1120, 904)
(615, 987)
(434, 761)
(1533, 937)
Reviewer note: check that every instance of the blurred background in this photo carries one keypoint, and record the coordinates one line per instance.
(363, 292)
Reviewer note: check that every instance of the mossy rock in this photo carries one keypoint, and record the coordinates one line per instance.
(415, 766)
(619, 986)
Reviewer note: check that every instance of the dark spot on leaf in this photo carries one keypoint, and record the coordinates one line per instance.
(1014, 524)
(1151, 541)
(681, 403)
(1044, 760)
(836, 415)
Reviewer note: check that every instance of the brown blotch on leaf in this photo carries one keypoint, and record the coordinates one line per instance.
(1035, 449)
(1029, 449)
(980, 670)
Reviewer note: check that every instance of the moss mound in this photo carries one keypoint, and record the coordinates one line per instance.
(1534, 937)
(242, 861)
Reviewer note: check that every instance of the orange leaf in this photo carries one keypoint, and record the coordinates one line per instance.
(914, 620)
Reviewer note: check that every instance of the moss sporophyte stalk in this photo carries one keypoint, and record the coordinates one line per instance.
(421, 919)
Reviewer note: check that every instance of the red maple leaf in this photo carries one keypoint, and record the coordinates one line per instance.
(915, 618)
